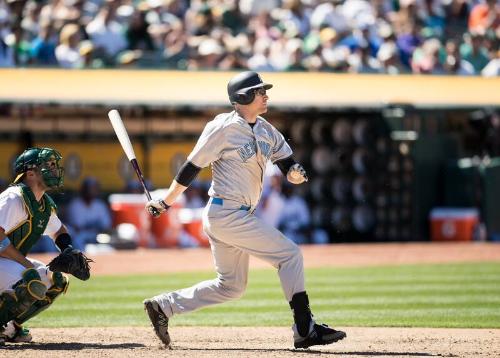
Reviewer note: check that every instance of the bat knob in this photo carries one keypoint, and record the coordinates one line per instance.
(154, 212)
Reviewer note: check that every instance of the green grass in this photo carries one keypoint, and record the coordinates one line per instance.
(452, 295)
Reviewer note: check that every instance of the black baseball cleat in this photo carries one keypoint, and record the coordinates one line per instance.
(320, 334)
(158, 319)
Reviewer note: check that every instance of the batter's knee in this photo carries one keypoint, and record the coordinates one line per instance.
(232, 289)
(295, 254)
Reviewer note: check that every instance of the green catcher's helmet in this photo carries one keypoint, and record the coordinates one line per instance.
(46, 160)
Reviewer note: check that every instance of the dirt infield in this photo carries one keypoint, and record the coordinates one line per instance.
(269, 341)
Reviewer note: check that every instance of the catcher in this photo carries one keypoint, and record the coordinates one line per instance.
(28, 286)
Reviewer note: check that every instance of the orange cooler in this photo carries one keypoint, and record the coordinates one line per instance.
(192, 221)
(166, 228)
(129, 208)
(453, 224)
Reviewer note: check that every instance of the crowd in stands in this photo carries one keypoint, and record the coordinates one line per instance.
(357, 36)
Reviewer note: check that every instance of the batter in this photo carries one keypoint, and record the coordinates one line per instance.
(238, 145)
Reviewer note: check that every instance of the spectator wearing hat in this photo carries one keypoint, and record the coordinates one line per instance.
(68, 51)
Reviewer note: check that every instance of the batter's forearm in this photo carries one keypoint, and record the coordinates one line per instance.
(174, 192)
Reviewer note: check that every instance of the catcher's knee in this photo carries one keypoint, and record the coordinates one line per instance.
(30, 288)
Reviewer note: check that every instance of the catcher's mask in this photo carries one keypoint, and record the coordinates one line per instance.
(46, 160)
(241, 88)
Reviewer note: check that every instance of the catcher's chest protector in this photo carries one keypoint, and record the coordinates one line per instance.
(28, 232)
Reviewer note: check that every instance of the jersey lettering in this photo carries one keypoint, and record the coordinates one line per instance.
(265, 148)
(247, 151)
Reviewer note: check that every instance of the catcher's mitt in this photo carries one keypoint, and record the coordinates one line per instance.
(71, 261)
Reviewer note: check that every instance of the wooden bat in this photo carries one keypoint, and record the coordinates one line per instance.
(121, 133)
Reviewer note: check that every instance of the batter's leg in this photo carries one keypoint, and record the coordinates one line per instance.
(231, 265)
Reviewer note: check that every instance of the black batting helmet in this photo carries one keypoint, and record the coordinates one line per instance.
(241, 87)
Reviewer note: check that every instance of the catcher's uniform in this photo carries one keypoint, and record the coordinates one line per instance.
(238, 153)
(24, 221)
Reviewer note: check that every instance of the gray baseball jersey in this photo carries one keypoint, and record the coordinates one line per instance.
(238, 154)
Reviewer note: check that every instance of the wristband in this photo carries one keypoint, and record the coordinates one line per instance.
(4, 243)
(63, 241)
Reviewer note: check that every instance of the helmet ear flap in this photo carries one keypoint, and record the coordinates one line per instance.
(245, 98)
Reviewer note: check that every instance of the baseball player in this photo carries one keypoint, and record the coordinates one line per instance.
(238, 145)
(27, 286)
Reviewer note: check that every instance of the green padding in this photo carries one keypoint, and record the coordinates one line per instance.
(30, 274)
(7, 304)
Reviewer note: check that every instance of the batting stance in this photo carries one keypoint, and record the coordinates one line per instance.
(238, 145)
(28, 286)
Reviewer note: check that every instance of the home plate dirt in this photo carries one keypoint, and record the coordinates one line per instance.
(140, 342)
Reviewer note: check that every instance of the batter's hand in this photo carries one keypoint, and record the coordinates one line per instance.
(156, 207)
(297, 174)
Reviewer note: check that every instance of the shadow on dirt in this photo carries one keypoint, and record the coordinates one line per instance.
(68, 346)
(312, 351)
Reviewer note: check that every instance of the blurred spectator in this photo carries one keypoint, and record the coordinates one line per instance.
(272, 202)
(454, 64)
(88, 214)
(6, 51)
(106, 33)
(294, 220)
(361, 61)
(69, 54)
(492, 69)
(427, 58)
(473, 51)
(193, 196)
(138, 36)
(389, 59)
(484, 16)
(408, 41)
(43, 47)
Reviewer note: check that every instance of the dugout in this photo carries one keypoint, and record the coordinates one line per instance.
(378, 148)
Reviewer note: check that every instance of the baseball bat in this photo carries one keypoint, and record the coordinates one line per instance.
(121, 133)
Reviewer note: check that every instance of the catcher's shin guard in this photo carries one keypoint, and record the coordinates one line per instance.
(27, 291)
(60, 284)
(8, 302)
(301, 312)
